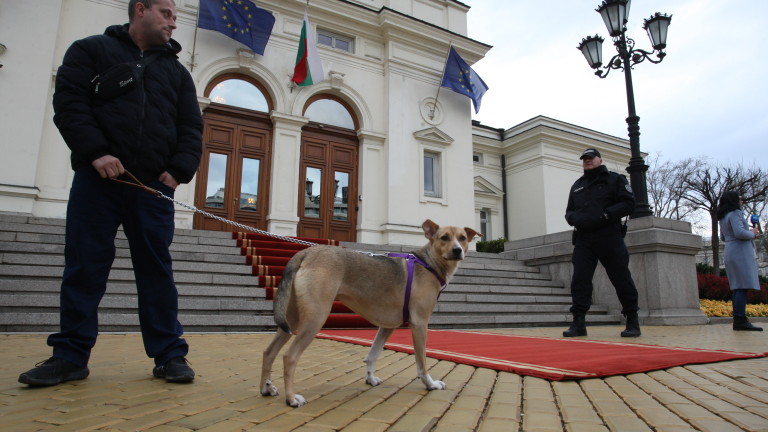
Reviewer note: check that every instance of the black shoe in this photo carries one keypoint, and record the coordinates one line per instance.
(175, 370)
(578, 327)
(633, 326)
(53, 371)
(742, 323)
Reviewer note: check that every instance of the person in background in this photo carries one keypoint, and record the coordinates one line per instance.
(596, 204)
(740, 258)
(154, 131)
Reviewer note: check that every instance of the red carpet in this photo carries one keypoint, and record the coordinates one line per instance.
(268, 256)
(548, 358)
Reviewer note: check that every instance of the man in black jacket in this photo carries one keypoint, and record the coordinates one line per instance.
(598, 201)
(154, 132)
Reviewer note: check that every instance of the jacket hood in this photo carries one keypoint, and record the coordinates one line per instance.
(121, 32)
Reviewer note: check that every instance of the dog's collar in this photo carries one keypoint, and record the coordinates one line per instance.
(412, 260)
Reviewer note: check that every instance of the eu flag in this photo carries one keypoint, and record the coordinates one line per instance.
(241, 20)
(461, 78)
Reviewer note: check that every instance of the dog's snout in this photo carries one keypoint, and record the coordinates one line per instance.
(457, 251)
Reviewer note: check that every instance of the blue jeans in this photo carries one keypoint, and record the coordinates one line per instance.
(97, 207)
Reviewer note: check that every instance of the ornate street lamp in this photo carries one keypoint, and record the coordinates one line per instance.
(615, 14)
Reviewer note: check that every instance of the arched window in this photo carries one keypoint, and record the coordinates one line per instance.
(331, 111)
(238, 91)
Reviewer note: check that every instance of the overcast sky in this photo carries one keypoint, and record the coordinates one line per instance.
(708, 97)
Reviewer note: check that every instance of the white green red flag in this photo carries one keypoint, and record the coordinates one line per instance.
(308, 69)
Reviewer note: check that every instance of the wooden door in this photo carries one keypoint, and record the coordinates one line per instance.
(233, 180)
(328, 180)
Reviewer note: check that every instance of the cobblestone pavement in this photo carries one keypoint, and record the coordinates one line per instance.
(121, 395)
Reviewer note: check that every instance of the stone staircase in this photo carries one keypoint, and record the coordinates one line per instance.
(217, 292)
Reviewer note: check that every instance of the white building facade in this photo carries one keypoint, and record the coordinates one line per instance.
(360, 156)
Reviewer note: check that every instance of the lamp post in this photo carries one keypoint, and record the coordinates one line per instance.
(615, 14)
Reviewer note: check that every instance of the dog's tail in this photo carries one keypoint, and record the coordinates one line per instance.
(284, 292)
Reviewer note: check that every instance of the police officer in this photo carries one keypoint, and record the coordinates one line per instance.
(596, 204)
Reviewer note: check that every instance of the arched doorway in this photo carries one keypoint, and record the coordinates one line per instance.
(329, 163)
(233, 179)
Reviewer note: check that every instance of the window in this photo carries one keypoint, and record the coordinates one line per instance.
(432, 180)
(330, 112)
(485, 222)
(239, 93)
(477, 158)
(335, 40)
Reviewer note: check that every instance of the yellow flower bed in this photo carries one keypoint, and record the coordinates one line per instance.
(719, 308)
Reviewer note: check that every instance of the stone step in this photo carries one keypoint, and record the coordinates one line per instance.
(218, 293)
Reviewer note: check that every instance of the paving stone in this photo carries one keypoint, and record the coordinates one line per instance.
(579, 414)
(335, 419)
(585, 427)
(715, 425)
(385, 413)
(626, 424)
(747, 420)
(497, 424)
(460, 418)
(225, 426)
(414, 422)
(366, 426)
(471, 402)
(539, 421)
(121, 395)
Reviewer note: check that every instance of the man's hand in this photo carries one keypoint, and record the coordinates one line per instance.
(168, 180)
(108, 167)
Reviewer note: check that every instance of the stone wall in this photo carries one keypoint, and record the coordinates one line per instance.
(662, 262)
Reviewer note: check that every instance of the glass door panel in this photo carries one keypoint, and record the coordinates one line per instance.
(249, 184)
(217, 177)
(341, 197)
(313, 185)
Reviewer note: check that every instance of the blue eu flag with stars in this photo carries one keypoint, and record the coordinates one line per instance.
(240, 20)
(461, 78)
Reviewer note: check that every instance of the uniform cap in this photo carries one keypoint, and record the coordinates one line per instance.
(590, 153)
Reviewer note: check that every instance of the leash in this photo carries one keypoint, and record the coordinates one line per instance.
(412, 260)
(137, 183)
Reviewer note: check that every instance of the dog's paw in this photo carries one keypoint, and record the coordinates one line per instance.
(373, 380)
(298, 400)
(268, 389)
(436, 385)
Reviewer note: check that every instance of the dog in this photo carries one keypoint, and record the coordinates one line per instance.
(374, 286)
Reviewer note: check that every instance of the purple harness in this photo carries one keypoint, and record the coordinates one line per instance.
(412, 259)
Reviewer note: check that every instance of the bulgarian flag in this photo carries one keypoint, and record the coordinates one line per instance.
(308, 69)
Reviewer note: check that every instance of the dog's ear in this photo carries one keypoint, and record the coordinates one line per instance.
(430, 228)
(471, 233)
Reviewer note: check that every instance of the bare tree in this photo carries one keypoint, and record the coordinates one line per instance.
(706, 184)
(666, 187)
(758, 206)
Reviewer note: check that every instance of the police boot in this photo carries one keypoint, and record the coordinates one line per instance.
(578, 327)
(633, 326)
(742, 323)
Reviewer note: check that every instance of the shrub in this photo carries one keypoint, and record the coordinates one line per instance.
(492, 246)
(713, 287)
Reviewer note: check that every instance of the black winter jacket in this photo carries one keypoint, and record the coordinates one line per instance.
(598, 199)
(155, 127)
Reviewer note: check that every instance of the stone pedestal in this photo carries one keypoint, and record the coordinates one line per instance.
(662, 262)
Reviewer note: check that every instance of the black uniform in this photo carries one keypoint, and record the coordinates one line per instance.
(596, 204)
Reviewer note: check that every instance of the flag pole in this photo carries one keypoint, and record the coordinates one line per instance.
(194, 38)
(440, 84)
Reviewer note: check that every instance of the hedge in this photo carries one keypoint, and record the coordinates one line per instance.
(715, 287)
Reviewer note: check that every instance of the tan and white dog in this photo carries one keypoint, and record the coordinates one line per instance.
(372, 286)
